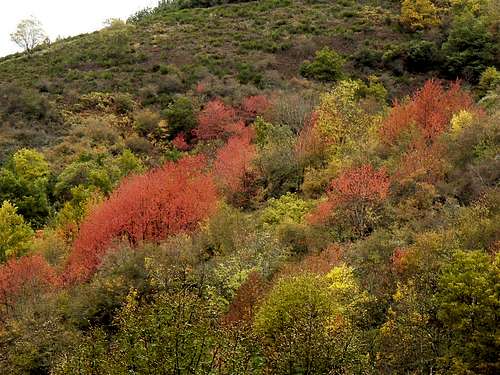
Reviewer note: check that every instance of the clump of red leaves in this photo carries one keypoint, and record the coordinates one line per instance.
(149, 207)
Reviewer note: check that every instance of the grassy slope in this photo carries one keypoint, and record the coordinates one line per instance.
(246, 47)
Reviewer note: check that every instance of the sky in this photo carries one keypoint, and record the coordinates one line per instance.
(63, 17)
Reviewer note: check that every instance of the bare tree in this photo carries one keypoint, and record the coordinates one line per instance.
(29, 34)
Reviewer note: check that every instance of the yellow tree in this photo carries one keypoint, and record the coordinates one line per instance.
(419, 14)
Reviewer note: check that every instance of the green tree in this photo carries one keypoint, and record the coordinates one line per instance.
(470, 47)
(307, 324)
(180, 116)
(327, 66)
(24, 181)
(15, 234)
(469, 308)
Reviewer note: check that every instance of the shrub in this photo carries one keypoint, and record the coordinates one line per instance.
(25, 275)
(489, 81)
(146, 122)
(354, 198)
(430, 110)
(15, 234)
(419, 14)
(469, 49)
(421, 56)
(147, 207)
(234, 161)
(326, 66)
(180, 117)
(287, 208)
(214, 119)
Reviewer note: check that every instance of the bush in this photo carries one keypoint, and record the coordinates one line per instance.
(421, 56)
(180, 117)
(146, 122)
(306, 324)
(326, 67)
(147, 207)
(15, 234)
(469, 49)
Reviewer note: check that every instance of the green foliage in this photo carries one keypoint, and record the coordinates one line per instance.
(326, 67)
(287, 208)
(96, 171)
(180, 116)
(15, 234)
(24, 181)
(470, 47)
(307, 326)
(468, 305)
(489, 81)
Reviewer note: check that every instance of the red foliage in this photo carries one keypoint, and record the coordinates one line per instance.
(214, 119)
(421, 162)
(200, 88)
(246, 300)
(149, 207)
(309, 143)
(398, 259)
(180, 142)
(430, 109)
(25, 275)
(356, 188)
(234, 160)
(255, 105)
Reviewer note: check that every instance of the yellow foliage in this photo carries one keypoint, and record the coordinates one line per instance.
(461, 120)
(419, 14)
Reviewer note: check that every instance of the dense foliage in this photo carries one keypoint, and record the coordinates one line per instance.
(266, 187)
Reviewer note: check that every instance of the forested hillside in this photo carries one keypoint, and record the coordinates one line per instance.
(255, 187)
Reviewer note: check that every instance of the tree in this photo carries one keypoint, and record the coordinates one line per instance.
(149, 207)
(24, 181)
(354, 199)
(214, 120)
(307, 324)
(430, 110)
(469, 308)
(419, 14)
(29, 34)
(326, 66)
(15, 234)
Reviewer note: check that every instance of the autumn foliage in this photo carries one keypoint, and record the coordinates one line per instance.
(356, 192)
(234, 160)
(26, 274)
(430, 110)
(214, 120)
(255, 105)
(149, 207)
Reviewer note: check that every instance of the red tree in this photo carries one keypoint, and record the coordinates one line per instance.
(25, 275)
(234, 160)
(149, 207)
(255, 105)
(355, 192)
(180, 142)
(214, 120)
(430, 109)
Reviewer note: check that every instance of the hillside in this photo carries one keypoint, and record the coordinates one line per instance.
(255, 187)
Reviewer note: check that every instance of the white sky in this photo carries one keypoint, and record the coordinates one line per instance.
(63, 17)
